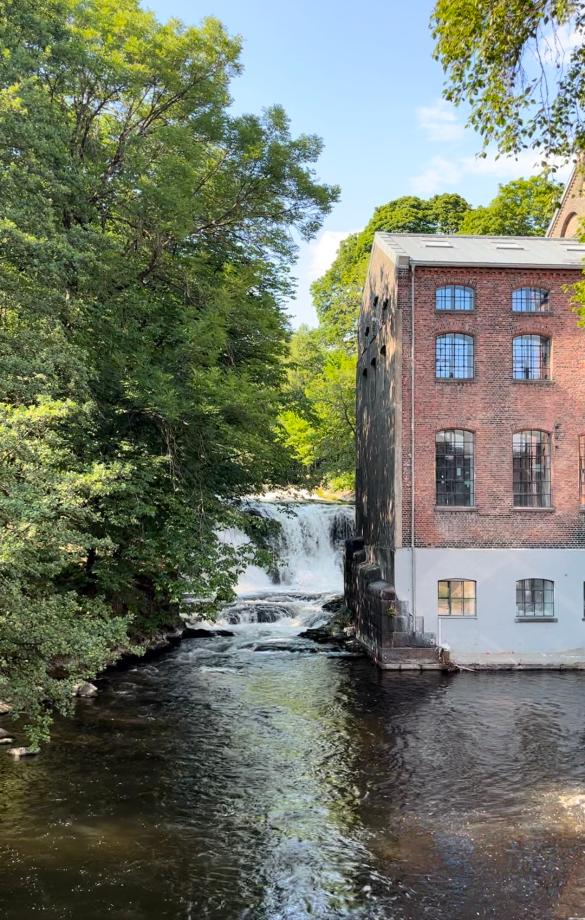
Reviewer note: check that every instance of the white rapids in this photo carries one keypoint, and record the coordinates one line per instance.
(309, 567)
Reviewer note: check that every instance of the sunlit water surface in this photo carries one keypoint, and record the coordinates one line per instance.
(225, 782)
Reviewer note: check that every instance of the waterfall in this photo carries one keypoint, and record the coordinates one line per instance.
(309, 547)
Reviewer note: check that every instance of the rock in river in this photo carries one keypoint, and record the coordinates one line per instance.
(86, 689)
(201, 632)
(19, 752)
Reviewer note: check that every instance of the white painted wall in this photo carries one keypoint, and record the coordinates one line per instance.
(494, 636)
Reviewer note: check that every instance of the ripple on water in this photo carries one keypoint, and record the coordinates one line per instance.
(223, 783)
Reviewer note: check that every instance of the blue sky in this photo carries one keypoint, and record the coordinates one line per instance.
(363, 78)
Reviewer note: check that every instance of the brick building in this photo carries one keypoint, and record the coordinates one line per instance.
(470, 495)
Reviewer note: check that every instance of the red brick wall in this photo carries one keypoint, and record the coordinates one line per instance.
(494, 406)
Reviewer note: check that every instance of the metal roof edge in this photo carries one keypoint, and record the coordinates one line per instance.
(400, 258)
(570, 266)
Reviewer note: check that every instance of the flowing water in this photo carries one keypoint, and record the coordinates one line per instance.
(222, 781)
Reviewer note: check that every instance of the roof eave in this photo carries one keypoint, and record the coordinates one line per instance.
(579, 266)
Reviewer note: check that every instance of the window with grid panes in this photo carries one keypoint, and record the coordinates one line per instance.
(531, 357)
(455, 297)
(454, 356)
(530, 300)
(456, 598)
(454, 467)
(535, 598)
(531, 469)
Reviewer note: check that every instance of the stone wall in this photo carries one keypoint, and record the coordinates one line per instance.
(382, 622)
(379, 488)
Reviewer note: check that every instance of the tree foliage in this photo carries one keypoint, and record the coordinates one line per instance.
(519, 64)
(319, 423)
(523, 207)
(144, 239)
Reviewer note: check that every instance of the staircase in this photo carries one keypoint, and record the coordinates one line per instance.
(390, 634)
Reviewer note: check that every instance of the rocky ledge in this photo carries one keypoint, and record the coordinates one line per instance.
(338, 631)
(163, 641)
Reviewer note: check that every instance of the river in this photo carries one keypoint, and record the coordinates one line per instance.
(224, 782)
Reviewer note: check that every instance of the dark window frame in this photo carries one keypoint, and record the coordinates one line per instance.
(454, 595)
(531, 356)
(454, 356)
(525, 301)
(455, 298)
(531, 469)
(582, 470)
(535, 599)
(455, 468)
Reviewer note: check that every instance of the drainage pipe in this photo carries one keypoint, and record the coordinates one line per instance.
(412, 461)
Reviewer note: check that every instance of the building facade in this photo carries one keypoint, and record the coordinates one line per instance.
(470, 495)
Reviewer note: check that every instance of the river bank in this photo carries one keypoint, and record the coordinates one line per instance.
(263, 775)
(230, 779)
(308, 537)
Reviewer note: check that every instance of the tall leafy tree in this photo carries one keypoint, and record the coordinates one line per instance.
(145, 234)
(519, 64)
(523, 207)
(318, 423)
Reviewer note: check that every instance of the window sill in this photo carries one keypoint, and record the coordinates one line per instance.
(451, 616)
(439, 312)
(455, 508)
(547, 510)
(539, 381)
(536, 620)
(454, 379)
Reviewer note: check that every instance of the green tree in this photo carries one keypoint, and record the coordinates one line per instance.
(509, 60)
(318, 423)
(145, 234)
(523, 207)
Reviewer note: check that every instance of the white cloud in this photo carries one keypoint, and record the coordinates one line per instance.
(323, 250)
(439, 122)
(445, 175)
(440, 175)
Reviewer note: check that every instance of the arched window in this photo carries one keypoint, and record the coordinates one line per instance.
(455, 297)
(531, 462)
(454, 467)
(530, 300)
(456, 598)
(454, 356)
(531, 357)
(535, 597)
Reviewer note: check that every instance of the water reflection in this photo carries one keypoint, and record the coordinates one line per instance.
(225, 783)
